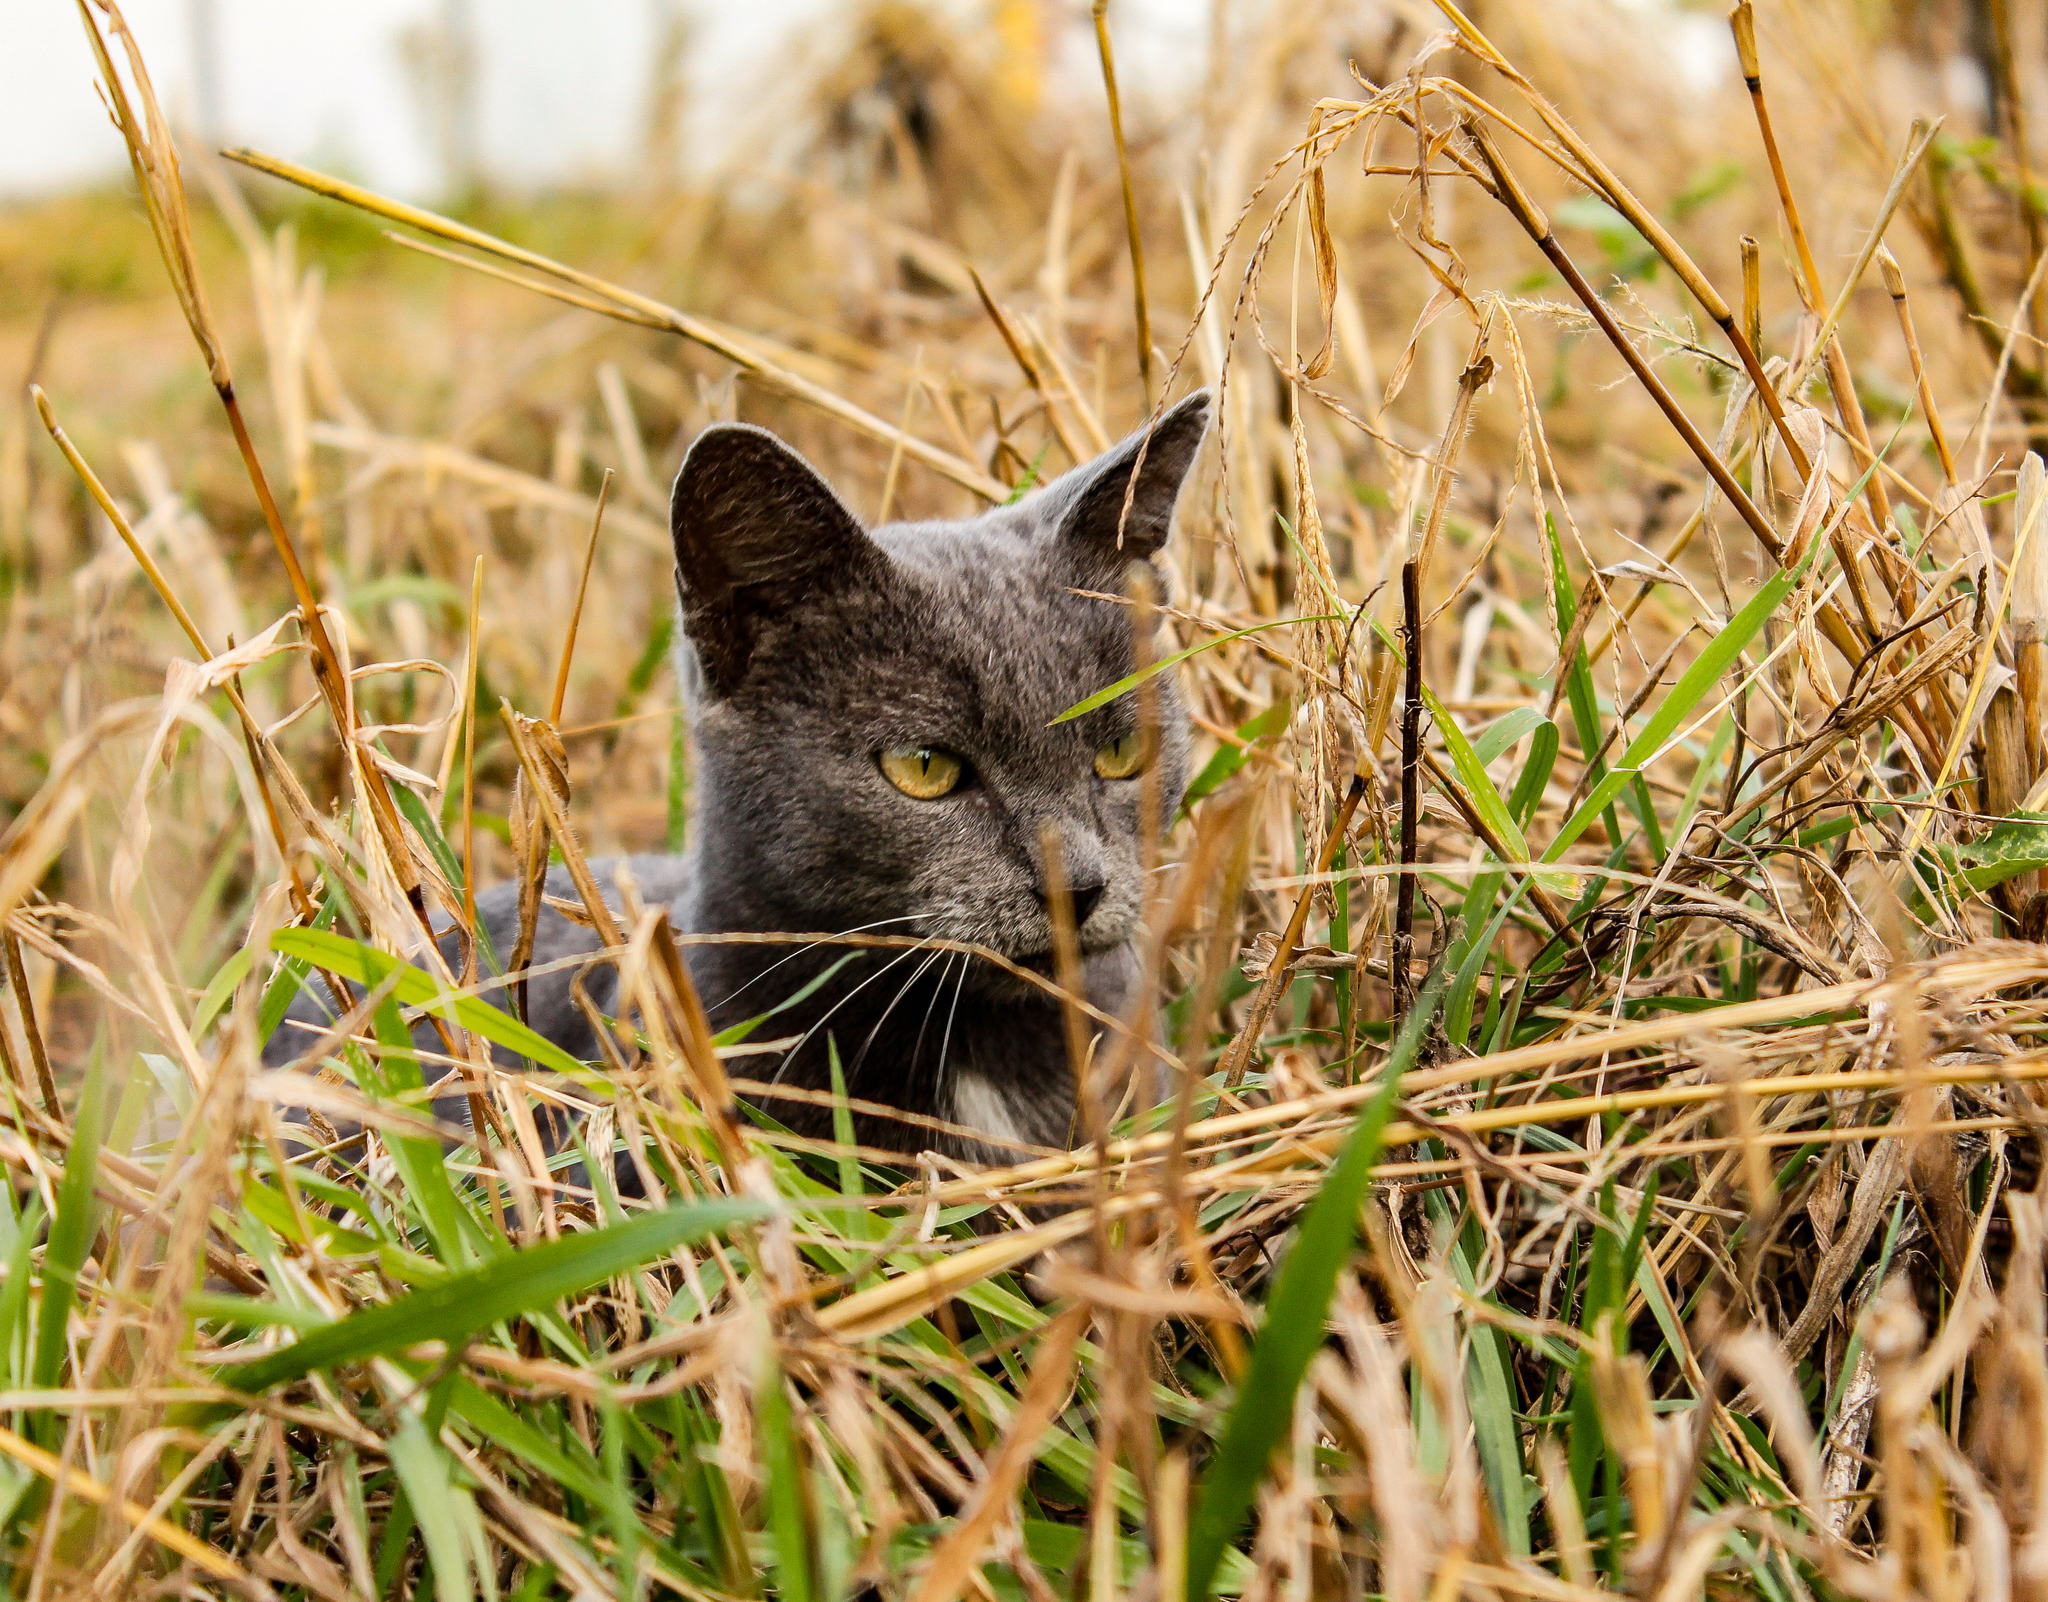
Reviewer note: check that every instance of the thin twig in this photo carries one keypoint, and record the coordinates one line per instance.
(1247, 1042)
(604, 492)
(1402, 951)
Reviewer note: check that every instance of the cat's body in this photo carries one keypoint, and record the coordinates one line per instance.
(835, 681)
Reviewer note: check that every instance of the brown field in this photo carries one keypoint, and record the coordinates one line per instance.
(1703, 1253)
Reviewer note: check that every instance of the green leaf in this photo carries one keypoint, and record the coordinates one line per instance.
(366, 965)
(617, 1501)
(394, 1074)
(789, 1531)
(1486, 800)
(517, 1283)
(14, 1294)
(1295, 1314)
(1834, 828)
(740, 1031)
(220, 988)
(1024, 485)
(1468, 953)
(249, 1313)
(661, 634)
(1692, 687)
(678, 791)
(1124, 686)
(504, 1428)
(842, 1125)
(72, 1229)
(274, 1212)
(422, 1468)
(1578, 673)
(1505, 731)
(1628, 253)
(16, 1481)
(1490, 1395)
(1471, 770)
(1535, 774)
(1710, 759)
(428, 830)
(284, 984)
(1229, 758)
(2015, 846)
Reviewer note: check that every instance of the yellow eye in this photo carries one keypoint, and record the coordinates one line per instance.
(1124, 757)
(923, 770)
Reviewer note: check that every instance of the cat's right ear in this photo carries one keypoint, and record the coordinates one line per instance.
(756, 531)
(1119, 507)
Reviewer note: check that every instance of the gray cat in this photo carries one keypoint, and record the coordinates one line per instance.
(872, 713)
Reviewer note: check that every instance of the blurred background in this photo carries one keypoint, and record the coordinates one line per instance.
(426, 97)
(822, 181)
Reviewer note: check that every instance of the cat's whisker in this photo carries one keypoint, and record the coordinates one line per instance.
(902, 990)
(946, 1040)
(864, 928)
(804, 1039)
(938, 990)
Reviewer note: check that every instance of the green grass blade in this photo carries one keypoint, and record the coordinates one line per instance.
(284, 984)
(1580, 695)
(506, 1430)
(842, 1125)
(422, 1468)
(676, 835)
(1470, 953)
(1293, 1330)
(1125, 685)
(661, 634)
(72, 1228)
(1223, 766)
(618, 1494)
(1471, 770)
(366, 965)
(1535, 775)
(782, 1461)
(1489, 1393)
(1710, 760)
(394, 1074)
(711, 1495)
(399, 1524)
(220, 988)
(1504, 731)
(416, 813)
(742, 1030)
(1693, 686)
(14, 1297)
(521, 1282)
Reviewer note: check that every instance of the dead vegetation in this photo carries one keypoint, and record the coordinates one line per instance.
(1648, 469)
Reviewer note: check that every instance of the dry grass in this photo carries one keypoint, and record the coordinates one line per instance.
(1704, 1248)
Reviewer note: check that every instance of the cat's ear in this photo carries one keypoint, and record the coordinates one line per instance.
(756, 532)
(1093, 521)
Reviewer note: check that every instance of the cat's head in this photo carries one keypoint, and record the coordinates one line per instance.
(874, 709)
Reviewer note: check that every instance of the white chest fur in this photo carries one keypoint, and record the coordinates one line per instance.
(980, 1104)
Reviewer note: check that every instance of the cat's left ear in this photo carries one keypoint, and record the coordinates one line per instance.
(1094, 521)
(757, 532)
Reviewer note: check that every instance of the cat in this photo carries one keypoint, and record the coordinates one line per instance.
(875, 752)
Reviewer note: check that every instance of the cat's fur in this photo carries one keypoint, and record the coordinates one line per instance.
(808, 646)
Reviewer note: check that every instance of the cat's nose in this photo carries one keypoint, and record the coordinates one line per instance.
(1085, 898)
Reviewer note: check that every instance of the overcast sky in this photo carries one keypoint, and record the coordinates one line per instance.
(562, 88)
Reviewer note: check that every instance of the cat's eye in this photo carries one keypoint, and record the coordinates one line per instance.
(923, 771)
(1124, 757)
